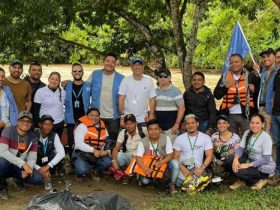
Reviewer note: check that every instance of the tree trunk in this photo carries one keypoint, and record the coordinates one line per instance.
(277, 2)
(187, 71)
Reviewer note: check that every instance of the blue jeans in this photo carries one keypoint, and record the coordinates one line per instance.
(8, 169)
(124, 159)
(82, 166)
(203, 126)
(173, 167)
(275, 123)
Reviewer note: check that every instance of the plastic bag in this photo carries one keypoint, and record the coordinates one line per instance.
(68, 201)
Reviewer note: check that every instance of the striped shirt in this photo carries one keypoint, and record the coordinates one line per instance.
(9, 147)
(167, 102)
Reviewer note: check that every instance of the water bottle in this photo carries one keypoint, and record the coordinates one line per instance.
(48, 183)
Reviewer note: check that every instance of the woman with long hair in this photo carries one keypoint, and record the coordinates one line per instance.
(252, 163)
(49, 100)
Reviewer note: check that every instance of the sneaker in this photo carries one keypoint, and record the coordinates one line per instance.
(111, 170)
(172, 188)
(126, 180)
(4, 194)
(237, 184)
(259, 185)
(119, 175)
(94, 176)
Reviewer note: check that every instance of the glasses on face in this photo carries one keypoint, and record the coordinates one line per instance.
(78, 71)
(25, 121)
(163, 76)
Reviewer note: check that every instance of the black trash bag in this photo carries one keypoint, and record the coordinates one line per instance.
(68, 201)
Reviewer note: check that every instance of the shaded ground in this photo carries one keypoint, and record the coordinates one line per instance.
(139, 197)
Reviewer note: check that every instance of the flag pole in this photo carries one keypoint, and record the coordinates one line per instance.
(251, 55)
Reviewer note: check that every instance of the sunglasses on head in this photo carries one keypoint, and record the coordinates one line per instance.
(163, 76)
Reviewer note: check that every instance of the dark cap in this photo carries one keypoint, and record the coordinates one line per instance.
(129, 117)
(24, 114)
(222, 117)
(164, 72)
(15, 62)
(137, 60)
(46, 117)
(267, 51)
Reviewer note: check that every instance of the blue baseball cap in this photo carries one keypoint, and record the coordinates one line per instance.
(137, 60)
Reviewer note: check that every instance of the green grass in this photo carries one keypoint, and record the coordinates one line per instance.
(221, 198)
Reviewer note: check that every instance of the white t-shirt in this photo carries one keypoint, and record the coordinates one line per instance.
(137, 94)
(141, 150)
(182, 144)
(51, 103)
(235, 109)
(261, 146)
(132, 141)
(79, 136)
(59, 150)
(106, 100)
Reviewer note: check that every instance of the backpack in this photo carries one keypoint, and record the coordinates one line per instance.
(141, 134)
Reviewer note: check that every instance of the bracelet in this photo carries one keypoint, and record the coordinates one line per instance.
(114, 161)
(203, 165)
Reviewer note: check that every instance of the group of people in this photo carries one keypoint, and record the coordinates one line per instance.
(124, 125)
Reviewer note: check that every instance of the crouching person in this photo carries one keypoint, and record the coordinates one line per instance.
(253, 162)
(190, 149)
(224, 143)
(156, 146)
(89, 152)
(18, 153)
(126, 146)
(50, 151)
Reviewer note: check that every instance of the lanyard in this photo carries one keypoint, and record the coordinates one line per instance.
(77, 96)
(155, 149)
(250, 146)
(45, 146)
(192, 146)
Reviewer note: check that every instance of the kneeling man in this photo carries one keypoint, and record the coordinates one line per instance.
(18, 153)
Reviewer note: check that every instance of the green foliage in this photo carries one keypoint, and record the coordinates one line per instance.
(222, 198)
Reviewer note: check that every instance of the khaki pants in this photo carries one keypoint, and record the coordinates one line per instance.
(267, 119)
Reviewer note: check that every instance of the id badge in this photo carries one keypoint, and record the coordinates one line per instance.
(77, 104)
(45, 159)
(134, 102)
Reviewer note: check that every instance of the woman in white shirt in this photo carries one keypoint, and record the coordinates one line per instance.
(49, 100)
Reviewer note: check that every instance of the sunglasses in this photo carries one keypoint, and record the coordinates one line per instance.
(78, 71)
(163, 76)
(25, 121)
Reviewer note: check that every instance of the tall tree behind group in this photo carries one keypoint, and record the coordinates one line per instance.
(53, 31)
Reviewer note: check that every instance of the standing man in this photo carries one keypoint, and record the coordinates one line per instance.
(277, 58)
(236, 91)
(18, 154)
(190, 149)
(170, 108)
(275, 117)
(200, 101)
(19, 87)
(34, 79)
(76, 102)
(266, 93)
(104, 91)
(137, 93)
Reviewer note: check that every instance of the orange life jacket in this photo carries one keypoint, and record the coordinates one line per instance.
(95, 136)
(233, 91)
(149, 161)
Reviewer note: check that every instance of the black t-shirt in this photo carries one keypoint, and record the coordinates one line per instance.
(78, 111)
(276, 100)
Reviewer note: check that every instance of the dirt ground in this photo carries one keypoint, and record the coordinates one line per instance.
(139, 197)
